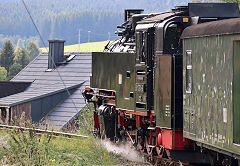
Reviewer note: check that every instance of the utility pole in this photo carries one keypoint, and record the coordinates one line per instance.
(79, 39)
(108, 36)
(89, 36)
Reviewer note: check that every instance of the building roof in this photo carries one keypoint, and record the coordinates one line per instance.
(9, 88)
(73, 74)
(228, 26)
(35, 93)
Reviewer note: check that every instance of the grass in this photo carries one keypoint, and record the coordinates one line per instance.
(84, 47)
(38, 150)
(28, 148)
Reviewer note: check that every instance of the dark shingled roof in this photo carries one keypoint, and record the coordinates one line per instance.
(9, 88)
(75, 74)
(228, 26)
(35, 93)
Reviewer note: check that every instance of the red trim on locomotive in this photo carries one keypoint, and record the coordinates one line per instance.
(174, 141)
(138, 121)
(121, 121)
(166, 138)
(136, 113)
(96, 121)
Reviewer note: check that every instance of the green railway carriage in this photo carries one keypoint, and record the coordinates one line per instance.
(211, 85)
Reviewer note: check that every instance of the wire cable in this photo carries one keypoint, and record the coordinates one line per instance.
(34, 24)
(57, 69)
(55, 66)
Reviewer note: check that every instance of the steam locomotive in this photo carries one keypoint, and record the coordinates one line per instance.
(170, 84)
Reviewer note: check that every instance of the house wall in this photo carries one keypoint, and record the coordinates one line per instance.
(20, 114)
(4, 115)
(43, 106)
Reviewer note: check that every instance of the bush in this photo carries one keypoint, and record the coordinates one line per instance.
(3, 74)
(31, 148)
(28, 148)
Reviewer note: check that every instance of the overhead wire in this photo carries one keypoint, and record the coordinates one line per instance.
(65, 86)
(56, 68)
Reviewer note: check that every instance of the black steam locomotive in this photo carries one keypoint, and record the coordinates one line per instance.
(169, 84)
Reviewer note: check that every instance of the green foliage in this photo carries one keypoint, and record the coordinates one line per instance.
(7, 55)
(205, 1)
(13, 61)
(33, 50)
(237, 1)
(21, 57)
(63, 18)
(14, 70)
(85, 120)
(20, 43)
(3, 74)
(81, 151)
(28, 148)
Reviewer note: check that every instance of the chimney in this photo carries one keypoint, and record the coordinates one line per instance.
(56, 53)
(130, 12)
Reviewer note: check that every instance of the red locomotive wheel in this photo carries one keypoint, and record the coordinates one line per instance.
(168, 154)
(141, 145)
(160, 151)
(148, 148)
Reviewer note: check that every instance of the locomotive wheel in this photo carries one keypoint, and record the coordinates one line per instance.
(148, 148)
(168, 154)
(141, 145)
(160, 151)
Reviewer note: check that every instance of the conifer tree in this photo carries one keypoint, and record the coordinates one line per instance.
(21, 57)
(33, 50)
(14, 70)
(236, 1)
(7, 55)
(3, 74)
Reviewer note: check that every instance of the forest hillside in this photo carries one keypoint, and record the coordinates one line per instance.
(96, 19)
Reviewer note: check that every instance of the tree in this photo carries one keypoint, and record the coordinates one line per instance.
(3, 73)
(20, 43)
(14, 70)
(21, 57)
(237, 1)
(7, 55)
(33, 50)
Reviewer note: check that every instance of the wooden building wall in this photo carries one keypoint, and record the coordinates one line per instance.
(20, 114)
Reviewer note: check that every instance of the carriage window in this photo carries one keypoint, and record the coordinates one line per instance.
(188, 71)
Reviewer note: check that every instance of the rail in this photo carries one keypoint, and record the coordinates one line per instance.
(53, 133)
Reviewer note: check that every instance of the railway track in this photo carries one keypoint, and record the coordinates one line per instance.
(167, 162)
(159, 161)
(42, 131)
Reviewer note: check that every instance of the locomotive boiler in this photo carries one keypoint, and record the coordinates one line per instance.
(143, 90)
